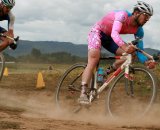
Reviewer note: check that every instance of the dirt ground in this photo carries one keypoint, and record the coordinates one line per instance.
(23, 107)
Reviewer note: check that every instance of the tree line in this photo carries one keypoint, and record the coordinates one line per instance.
(36, 56)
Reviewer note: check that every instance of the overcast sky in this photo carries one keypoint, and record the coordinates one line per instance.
(71, 20)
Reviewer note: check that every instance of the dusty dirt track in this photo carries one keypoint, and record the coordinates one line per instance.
(23, 107)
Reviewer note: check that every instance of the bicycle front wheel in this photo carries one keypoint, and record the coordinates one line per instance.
(2, 64)
(69, 88)
(132, 98)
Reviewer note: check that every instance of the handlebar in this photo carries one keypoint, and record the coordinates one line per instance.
(135, 42)
(15, 40)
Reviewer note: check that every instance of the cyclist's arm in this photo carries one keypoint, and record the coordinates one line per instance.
(11, 19)
(120, 17)
(141, 57)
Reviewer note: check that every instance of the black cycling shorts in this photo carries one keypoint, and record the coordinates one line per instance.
(108, 43)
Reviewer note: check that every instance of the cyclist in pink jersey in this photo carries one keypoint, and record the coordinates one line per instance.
(106, 33)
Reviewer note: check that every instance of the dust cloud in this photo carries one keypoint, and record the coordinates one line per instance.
(41, 105)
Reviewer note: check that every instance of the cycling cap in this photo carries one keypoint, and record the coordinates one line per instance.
(9, 3)
(144, 7)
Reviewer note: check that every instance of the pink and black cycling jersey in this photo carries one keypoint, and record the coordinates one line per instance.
(112, 25)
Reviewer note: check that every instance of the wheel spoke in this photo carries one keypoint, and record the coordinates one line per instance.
(69, 88)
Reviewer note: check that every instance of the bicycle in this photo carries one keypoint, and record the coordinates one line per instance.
(2, 59)
(131, 85)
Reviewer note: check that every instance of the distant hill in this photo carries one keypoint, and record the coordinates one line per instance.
(25, 48)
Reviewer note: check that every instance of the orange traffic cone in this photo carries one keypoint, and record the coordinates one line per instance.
(40, 81)
(5, 73)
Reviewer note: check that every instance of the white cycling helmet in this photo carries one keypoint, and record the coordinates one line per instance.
(144, 7)
(9, 3)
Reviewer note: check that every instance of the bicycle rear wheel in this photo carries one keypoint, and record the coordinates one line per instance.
(132, 98)
(69, 88)
(2, 65)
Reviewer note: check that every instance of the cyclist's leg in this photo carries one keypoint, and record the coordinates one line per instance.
(118, 63)
(4, 41)
(93, 58)
(111, 46)
(94, 46)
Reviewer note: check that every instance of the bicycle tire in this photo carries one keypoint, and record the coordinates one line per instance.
(2, 65)
(69, 88)
(137, 100)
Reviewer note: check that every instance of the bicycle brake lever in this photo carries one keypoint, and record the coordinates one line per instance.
(134, 42)
(16, 39)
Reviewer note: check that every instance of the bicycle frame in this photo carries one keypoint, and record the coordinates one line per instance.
(125, 66)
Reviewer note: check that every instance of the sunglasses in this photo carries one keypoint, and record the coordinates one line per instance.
(147, 16)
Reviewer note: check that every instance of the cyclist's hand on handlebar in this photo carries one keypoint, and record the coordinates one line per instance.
(10, 34)
(150, 64)
(128, 48)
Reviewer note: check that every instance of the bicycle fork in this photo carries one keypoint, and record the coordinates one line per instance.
(129, 88)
